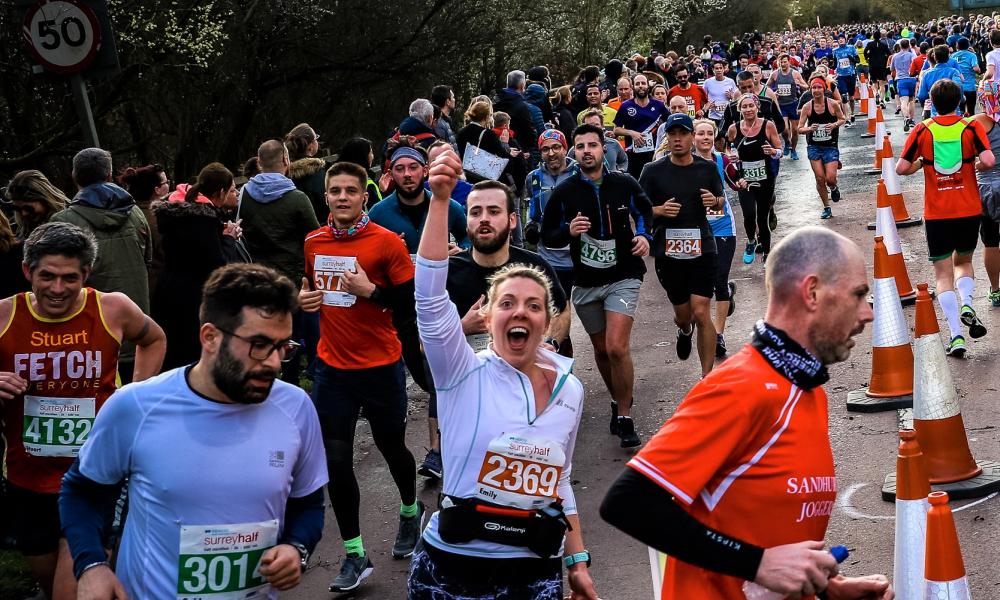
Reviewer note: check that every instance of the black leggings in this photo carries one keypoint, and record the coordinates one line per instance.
(726, 245)
(756, 203)
(340, 395)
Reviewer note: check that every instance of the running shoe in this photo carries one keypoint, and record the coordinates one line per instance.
(852, 120)
(626, 432)
(749, 252)
(720, 346)
(907, 125)
(732, 298)
(356, 568)
(614, 418)
(835, 194)
(408, 533)
(956, 347)
(898, 110)
(787, 149)
(995, 298)
(432, 467)
(827, 213)
(763, 259)
(849, 124)
(794, 154)
(772, 218)
(683, 346)
(969, 318)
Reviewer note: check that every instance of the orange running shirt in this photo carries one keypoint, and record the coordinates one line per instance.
(694, 96)
(747, 453)
(948, 196)
(71, 366)
(355, 332)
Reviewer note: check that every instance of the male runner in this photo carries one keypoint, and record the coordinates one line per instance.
(788, 83)
(59, 349)
(720, 91)
(357, 275)
(555, 168)
(950, 149)
(752, 438)
(845, 58)
(592, 212)
(636, 121)
(906, 84)
(681, 188)
(224, 462)
(692, 93)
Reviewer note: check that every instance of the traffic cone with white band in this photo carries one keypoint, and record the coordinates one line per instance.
(879, 146)
(911, 517)
(873, 118)
(862, 94)
(944, 569)
(937, 417)
(891, 384)
(885, 226)
(894, 190)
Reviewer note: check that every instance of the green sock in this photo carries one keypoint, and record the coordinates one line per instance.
(408, 511)
(355, 546)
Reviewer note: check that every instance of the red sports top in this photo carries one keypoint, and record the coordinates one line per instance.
(71, 366)
(948, 196)
(747, 453)
(355, 332)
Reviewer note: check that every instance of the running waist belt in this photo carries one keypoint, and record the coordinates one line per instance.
(542, 531)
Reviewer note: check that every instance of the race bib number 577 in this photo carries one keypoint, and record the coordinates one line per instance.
(327, 271)
(222, 562)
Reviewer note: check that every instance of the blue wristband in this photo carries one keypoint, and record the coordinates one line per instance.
(579, 557)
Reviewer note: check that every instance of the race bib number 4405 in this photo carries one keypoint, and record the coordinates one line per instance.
(56, 426)
(520, 471)
(327, 271)
(222, 562)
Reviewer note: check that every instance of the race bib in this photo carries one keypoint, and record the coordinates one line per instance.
(822, 134)
(646, 145)
(327, 271)
(754, 170)
(520, 471)
(56, 426)
(600, 254)
(715, 215)
(690, 104)
(784, 89)
(478, 341)
(844, 63)
(413, 259)
(683, 243)
(222, 562)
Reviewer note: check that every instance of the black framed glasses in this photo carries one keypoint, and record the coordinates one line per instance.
(261, 350)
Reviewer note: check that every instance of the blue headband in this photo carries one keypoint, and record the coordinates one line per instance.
(407, 152)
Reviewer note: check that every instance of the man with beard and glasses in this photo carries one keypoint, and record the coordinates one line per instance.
(752, 438)
(59, 349)
(636, 121)
(358, 275)
(224, 461)
(592, 212)
(692, 93)
(491, 218)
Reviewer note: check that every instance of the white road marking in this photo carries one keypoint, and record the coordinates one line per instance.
(845, 505)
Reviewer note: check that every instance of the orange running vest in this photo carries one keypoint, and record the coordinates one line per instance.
(71, 366)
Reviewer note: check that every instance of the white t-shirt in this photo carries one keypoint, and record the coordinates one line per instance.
(993, 58)
(194, 463)
(716, 91)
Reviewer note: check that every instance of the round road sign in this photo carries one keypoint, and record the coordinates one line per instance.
(63, 35)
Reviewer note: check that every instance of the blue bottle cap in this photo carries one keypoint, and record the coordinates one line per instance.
(840, 553)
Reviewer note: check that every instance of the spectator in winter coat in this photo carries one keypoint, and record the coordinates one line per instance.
(511, 101)
(535, 97)
(443, 97)
(306, 171)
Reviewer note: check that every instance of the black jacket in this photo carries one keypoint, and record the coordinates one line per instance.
(768, 110)
(514, 104)
(609, 208)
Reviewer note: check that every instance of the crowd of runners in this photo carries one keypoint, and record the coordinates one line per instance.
(459, 258)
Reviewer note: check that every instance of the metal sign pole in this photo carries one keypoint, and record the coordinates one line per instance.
(82, 103)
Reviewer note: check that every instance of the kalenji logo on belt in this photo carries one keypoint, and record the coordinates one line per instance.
(491, 526)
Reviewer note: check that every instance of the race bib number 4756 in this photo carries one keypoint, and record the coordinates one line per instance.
(222, 562)
(56, 426)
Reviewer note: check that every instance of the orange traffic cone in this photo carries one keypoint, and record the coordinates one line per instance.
(910, 488)
(944, 569)
(880, 138)
(864, 97)
(894, 190)
(937, 417)
(891, 384)
(874, 117)
(885, 226)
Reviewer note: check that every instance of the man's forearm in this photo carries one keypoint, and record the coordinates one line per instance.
(559, 328)
(149, 359)
(82, 506)
(304, 520)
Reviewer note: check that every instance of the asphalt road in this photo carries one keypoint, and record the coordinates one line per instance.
(864, 445)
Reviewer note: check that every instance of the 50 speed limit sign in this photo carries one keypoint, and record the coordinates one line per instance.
(63, 35)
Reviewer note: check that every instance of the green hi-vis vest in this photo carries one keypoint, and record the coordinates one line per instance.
(947, 141)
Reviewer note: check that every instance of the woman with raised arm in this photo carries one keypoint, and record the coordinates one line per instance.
(509, 417)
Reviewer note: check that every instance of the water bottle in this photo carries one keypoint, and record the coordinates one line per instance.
(754, 591)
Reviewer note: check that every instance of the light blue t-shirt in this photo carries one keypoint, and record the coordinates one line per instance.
(193, 463)
(966, 60)
(845, 57)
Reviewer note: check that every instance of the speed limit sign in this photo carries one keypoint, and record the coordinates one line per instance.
(63, 35)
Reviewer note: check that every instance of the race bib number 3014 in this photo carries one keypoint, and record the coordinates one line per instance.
(222, 562)
(56, 426)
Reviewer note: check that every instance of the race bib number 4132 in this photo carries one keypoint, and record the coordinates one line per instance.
(222, 562)
(56, 426)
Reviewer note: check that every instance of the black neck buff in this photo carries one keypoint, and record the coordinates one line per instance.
(788, 357)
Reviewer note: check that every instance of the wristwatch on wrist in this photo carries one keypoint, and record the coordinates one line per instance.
(303, 555)
(579, 557)
(376, 294)
(552, 342)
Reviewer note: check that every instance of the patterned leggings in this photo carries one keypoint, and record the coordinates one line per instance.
(447, 576)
